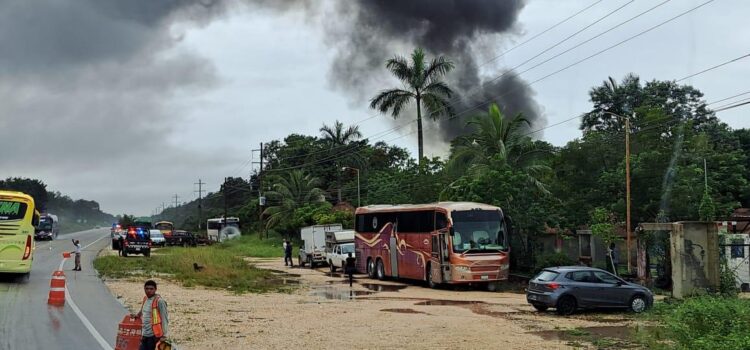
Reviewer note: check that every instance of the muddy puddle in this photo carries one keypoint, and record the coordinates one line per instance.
(617, 333)
(404, 311)
(377, 287)
(449, 302)
(333, 293)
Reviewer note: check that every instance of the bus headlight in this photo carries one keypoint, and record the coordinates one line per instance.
(504, 267)
(462, 268)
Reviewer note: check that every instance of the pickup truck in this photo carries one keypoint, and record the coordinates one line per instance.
(337, 257)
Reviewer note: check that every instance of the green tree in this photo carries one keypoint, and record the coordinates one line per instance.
(289, 193)
(338, 140)
(603, 225)
(34, 188)
(499, 139)
(422, 85)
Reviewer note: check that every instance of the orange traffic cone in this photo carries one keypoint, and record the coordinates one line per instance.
(57, 289)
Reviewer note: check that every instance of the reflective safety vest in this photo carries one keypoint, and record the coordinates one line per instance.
(155, 316)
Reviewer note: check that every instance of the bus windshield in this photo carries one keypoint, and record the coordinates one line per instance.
(478, 231)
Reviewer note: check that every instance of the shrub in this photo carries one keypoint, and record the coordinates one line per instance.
(707, 322)
(553, 259)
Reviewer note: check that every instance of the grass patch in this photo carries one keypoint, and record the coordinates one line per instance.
(705, 322)
(224, 266)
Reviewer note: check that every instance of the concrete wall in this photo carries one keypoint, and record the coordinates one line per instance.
(694, 247)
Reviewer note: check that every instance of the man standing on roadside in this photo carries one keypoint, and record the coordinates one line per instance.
(288, 253)
(154, 317)
(77, 252)
(350, 267)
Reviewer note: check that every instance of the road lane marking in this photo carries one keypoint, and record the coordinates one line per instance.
(86, 322)
(78, 311)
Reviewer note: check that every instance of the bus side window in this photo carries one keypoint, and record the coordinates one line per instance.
(35, 219)
(441, 221)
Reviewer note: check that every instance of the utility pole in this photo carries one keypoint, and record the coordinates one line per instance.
(200, 202)
(627, 184)
(226, 188)
(176, 197)
(261, 200)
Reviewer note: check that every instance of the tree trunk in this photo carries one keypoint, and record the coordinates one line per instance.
(420, 138)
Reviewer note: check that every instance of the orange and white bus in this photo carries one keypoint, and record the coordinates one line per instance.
(18, 217)
(440, 243)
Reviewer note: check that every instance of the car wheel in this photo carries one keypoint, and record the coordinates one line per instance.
(638, 304)
(310, 261)
(492, 286)
(333, 267)
(540, 307)
(380, 270)
(566, 305)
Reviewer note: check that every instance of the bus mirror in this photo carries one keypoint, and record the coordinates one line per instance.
(35, 220)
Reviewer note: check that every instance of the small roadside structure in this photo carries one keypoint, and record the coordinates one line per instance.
(694, 251)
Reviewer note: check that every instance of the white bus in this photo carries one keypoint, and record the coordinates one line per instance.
(218, 230)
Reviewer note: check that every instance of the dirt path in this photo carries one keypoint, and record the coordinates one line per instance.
(325, 313)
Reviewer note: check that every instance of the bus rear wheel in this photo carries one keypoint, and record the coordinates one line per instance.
(380, 270)
(370, 268)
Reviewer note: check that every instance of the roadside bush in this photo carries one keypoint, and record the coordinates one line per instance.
(553, 259)
(706, 322)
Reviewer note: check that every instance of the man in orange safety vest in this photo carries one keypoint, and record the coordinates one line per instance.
(154, 317)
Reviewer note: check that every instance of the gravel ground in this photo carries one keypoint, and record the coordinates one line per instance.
(325, 313)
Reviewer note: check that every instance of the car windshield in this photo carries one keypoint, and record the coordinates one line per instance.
(546, 276)
(347, 248)
(156, 234)
(44, 227)
(478, 231)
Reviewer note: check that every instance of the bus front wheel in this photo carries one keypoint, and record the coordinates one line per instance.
(430, 282)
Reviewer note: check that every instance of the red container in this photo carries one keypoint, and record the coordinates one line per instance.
(129, 334)
(66, 254)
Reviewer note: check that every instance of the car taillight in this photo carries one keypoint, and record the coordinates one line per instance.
(27, 251)
(553, 285)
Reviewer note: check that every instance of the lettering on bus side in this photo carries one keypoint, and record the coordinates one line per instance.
(12, 210)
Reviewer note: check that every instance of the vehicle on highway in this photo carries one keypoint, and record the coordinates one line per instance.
(18, 217)
(115, 233)
(312, 250)
(182, 238)
(219, 230)
(138, 238)
(48, 227)
(570, 288)
(440, 243)
(157, 238)
(166, 227)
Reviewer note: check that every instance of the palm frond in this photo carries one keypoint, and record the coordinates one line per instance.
(436, 106)
(393, 99)
(400, 68)
(438, 67)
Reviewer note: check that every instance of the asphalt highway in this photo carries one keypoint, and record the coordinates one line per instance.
(88, 322)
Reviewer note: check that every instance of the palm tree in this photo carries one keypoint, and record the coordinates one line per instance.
(422, 85)
(497, 138)
(337, 138)
(289, 193)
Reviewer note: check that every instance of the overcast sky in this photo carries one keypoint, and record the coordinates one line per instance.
(131, 102)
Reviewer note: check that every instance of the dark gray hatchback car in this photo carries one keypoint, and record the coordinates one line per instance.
(569, 288)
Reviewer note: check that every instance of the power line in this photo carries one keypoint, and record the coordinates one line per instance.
(540, 34)
(728, 98)
(732, 106)
(714, 67)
